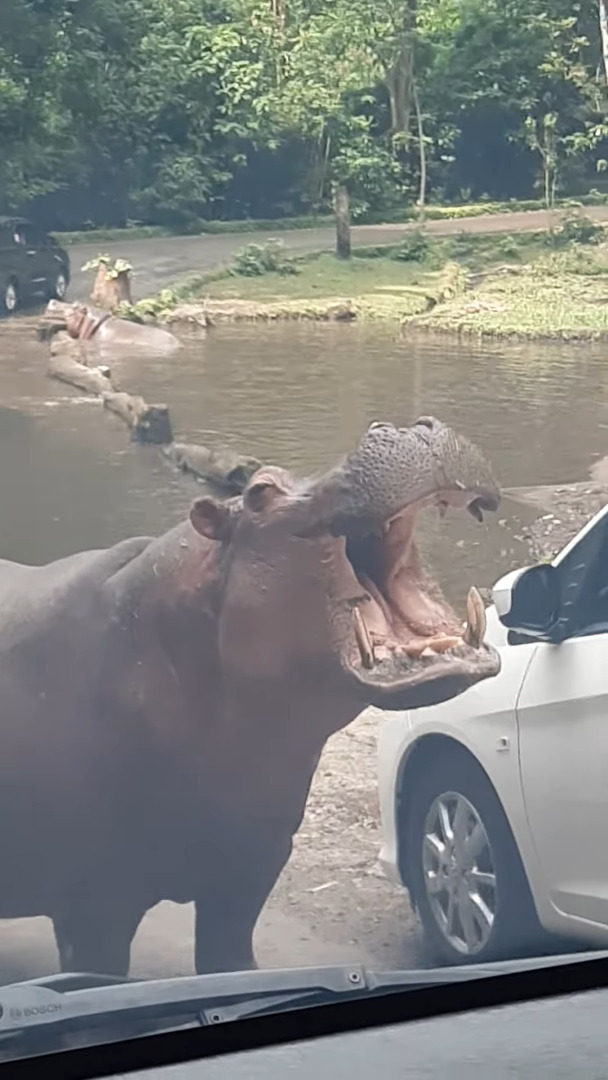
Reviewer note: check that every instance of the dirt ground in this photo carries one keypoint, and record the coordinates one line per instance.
(333, 882)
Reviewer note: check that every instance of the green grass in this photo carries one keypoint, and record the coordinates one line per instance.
(373, 274)
(433, 212)
(560, 296)
(521, 285)
(323, 276)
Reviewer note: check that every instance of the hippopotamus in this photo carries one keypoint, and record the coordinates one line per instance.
(164, 702)
(108, 332)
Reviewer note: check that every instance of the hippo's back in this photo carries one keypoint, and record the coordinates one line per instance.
(55, 741)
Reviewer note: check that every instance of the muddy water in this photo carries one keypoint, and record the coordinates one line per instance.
(296, 396)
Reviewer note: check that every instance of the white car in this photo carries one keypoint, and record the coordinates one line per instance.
(495, 804)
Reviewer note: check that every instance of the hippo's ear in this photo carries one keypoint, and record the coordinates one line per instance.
(211, 519)
(265, 486)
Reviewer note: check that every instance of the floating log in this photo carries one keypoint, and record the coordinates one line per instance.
(225, 468)
(148, 423)
(68, 370)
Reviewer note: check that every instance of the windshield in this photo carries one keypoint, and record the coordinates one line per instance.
(303, 320)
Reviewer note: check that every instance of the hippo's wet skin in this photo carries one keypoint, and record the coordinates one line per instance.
(104, 330)
(164, 703)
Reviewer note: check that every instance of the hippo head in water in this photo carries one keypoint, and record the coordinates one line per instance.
(321, 580)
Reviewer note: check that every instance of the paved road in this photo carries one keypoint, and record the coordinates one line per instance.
(160, 262)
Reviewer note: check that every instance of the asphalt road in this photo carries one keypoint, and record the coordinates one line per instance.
(159, 262)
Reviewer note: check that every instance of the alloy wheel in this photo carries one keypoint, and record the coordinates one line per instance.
(459, 873)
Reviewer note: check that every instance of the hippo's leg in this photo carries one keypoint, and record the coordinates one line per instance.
(95, 938)
(231, 900)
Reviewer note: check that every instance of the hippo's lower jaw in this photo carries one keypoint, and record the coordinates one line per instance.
(405, 646)
(429, 680)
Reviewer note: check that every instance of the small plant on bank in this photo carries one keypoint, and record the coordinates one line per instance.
(254, 260)
(575, 228)
(113, 267)
(413, 248)
(574, 260)
(151, 307)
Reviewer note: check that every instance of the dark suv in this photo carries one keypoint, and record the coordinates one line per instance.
(32, 264)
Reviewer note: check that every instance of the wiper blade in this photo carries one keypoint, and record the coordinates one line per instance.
(75, 1009)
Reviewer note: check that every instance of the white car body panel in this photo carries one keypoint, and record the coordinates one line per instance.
(564, 766)
(540, 710)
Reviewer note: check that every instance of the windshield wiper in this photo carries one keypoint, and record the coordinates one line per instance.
(69, 1010)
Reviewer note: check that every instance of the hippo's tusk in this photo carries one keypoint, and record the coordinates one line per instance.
(476, 619)
(366, 649)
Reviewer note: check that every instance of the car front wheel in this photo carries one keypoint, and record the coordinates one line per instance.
(465, 874)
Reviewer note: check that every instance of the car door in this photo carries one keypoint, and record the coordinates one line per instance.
(13, 261)
(38, 259)
(562, 715)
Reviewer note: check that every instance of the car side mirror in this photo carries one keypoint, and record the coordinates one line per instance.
(528, 601)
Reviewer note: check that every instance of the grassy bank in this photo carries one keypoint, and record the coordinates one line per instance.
(556, 297)
(543, 285)
(200, 227)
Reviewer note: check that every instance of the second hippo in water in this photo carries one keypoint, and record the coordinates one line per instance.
(104, 331)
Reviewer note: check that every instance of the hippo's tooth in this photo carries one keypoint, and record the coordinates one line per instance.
(476, 619)
(428, 646)
(366, 649)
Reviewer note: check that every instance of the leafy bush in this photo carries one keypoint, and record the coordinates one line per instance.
(114, 267)
(413, 248)
(575, 260)
(254, 260)
(508, 247)
(576, 228)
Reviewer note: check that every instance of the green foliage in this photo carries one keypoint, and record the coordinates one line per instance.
(114, 267)
(574, 227)
(256, 259)
(181, 112)
(413, 248)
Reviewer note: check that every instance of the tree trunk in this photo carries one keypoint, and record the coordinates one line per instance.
(109, 292)
(422, 152)
(399, 78)
(399, 86)
(342, 212)
(603, 13)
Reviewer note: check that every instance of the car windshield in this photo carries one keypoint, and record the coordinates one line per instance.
(303, 555)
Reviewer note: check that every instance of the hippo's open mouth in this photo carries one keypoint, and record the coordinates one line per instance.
(406, 644)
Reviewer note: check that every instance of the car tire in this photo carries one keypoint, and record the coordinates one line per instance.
(9, 298)
(470, 892)
(59, 286)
